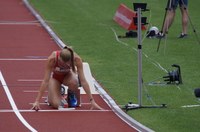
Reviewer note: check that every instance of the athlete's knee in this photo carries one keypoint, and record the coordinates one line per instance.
(73, 83)
(55, 104)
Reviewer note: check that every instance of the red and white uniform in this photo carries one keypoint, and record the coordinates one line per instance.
(61, 69)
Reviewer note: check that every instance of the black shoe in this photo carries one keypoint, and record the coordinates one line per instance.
(182, 35)
(160, 36)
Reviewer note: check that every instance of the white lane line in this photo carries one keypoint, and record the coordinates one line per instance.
(13, 105)
(19, 23)
(190, 106)
(14, 23)
(47, 104)
(33, 91)
(29, 80)
(20, 59)
(55, 110)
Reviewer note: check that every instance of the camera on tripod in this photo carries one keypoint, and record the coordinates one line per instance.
(174, 76)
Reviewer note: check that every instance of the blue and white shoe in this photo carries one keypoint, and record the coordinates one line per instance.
(72, 100)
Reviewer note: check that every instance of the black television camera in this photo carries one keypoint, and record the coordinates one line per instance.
(174, 76)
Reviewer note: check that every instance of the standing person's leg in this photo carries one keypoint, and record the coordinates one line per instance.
(172, 5)
(169, 20)
(184, 13)
(54, 95)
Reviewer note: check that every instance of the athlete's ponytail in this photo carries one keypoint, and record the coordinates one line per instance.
(72, 57)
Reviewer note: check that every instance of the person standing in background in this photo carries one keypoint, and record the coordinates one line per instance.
(170, 15)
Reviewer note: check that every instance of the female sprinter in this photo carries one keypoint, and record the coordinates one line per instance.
(63, 67)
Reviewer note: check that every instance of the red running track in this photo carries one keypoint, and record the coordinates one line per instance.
(24, 47)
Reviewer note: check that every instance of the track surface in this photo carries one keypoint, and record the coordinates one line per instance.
(24, 47)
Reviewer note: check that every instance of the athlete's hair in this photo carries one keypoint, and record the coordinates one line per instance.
(68, 54)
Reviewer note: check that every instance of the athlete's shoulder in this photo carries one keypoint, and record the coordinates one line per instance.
(52, 57)
(77, 58)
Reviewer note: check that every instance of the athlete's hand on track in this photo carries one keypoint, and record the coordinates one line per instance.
(95, 105)
(36, 106)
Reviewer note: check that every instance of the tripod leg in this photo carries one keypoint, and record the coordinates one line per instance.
(162, 30)
(168, 7)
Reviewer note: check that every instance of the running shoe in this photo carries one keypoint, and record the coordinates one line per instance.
(160, 35)
(47, 101)
(182, 35)
(62, 90)
(63, 103)
(72, 100)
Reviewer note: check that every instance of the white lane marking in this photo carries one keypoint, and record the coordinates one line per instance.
(46, 103)
(34, 22)
(29, 80)
(20, 59)
(19, 23)
(55, 110)
(13, 105)
(190, 106)
(32, 91)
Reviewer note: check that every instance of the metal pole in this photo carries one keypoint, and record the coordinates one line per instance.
(130, 105)
(139, 57)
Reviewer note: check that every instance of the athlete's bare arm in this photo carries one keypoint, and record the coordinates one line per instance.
(48, 69)
(84, 83)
